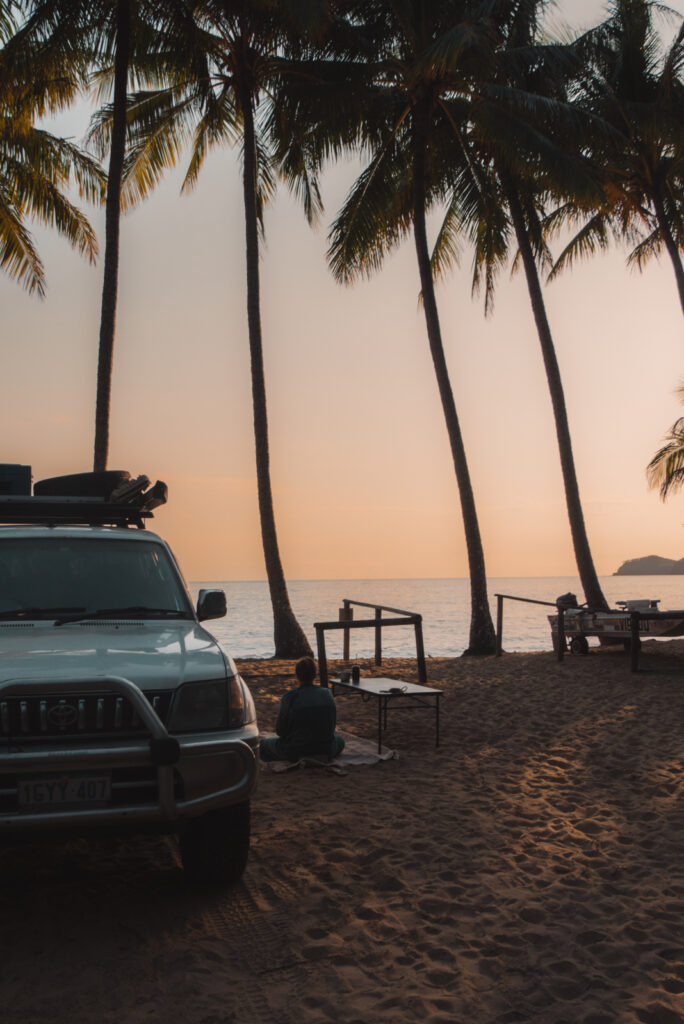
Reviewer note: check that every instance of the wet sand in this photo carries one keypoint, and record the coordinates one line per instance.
(530, 869)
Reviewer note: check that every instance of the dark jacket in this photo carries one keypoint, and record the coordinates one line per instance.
(306, 722)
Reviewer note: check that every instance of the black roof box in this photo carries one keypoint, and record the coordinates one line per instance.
(82, 485)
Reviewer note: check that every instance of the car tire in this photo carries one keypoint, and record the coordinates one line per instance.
(214, 848)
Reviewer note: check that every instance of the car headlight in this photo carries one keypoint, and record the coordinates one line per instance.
(249, 710)
(212, 704)
(200, 706)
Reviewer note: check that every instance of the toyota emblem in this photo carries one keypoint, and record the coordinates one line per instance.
(63, 716)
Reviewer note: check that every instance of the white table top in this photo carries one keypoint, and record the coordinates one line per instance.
(382, 686)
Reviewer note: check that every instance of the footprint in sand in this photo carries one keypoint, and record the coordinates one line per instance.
(658, 1014)
(590, 938)
(532, 915)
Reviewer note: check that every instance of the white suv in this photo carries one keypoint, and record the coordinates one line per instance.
(118, 710)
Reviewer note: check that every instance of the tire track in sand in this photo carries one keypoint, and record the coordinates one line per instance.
(253, 925)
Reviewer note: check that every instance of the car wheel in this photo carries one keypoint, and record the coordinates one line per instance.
(214, 848)
(579, 645)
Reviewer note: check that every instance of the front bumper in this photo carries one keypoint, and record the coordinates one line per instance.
(157, 780)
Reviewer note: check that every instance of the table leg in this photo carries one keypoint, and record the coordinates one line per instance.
(379, 725)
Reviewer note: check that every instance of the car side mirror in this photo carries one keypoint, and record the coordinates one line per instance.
(211, 604)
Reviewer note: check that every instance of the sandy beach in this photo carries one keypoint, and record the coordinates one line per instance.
(530, 869)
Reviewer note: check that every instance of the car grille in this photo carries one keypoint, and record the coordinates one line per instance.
(80, 714)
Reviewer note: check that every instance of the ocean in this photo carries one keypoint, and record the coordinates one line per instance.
(247, 630)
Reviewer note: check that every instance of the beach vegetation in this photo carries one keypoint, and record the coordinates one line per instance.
(632, 86)
(38, 168)
(461, 110)
(379, 89)
(665, 471)
(234, 52)
(513, 156)
(116, 42)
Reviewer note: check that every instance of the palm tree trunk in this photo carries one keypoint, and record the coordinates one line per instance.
(585, 563)
(670, 244)
(112, 220)
(290, 641)
(482, 636)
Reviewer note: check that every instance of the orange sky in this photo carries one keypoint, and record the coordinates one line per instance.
(363, 480)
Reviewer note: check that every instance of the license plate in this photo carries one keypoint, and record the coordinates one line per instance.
(59, 790)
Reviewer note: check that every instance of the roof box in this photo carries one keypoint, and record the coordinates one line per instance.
(82, 485)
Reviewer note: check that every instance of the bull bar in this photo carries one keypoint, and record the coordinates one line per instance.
(161, 749)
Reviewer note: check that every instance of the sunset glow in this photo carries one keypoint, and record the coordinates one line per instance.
(362, 473)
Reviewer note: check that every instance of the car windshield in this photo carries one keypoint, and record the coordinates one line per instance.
(54, 577)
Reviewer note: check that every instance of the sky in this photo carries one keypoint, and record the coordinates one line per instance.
(363, 479)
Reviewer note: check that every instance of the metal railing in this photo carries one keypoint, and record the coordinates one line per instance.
(500, 598)
(347, 622)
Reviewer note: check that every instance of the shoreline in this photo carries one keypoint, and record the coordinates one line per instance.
(247, 631)
(527, 870)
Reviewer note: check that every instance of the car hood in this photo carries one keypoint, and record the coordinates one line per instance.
(152, 655)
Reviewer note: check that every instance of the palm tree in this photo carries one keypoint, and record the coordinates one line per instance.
(515, 143)
(666, 469)
(235, 56)
(145, 38)
(37, 167)
(380, 87)
(636, 86)
(123, 39)
(121, 30)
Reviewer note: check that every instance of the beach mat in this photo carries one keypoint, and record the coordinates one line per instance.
(357, 751)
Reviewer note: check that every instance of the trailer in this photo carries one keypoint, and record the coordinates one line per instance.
(615, 625)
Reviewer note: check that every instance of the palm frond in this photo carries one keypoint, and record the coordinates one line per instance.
(665, 471)
(446, 252)
(18, 256)
(375, 216)
(591, 238)
(218, 123)
(645, 250)
(159, 130)
(302, 181)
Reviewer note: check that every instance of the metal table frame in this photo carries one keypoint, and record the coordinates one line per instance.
(413, 697)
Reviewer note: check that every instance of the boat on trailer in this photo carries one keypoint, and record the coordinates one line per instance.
(615, 625)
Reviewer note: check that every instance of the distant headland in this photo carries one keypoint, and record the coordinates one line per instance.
(651, 565)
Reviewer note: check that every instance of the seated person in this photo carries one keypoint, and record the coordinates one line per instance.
(306, 721)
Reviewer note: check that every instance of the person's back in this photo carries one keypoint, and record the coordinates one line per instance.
(306, 721)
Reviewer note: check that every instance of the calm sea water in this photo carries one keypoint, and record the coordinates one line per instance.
(247, 630)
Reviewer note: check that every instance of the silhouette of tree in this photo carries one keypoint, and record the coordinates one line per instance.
(235, 57)
(634, 85)
(512, 157)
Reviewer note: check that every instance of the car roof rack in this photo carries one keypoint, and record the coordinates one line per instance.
(129, 505)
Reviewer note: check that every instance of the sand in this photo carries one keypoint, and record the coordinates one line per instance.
(530, 869)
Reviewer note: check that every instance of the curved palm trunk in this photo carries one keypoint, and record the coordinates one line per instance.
(482, 636)
(290, 641)
(112, 220)
(585, 563)
(670, 244)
